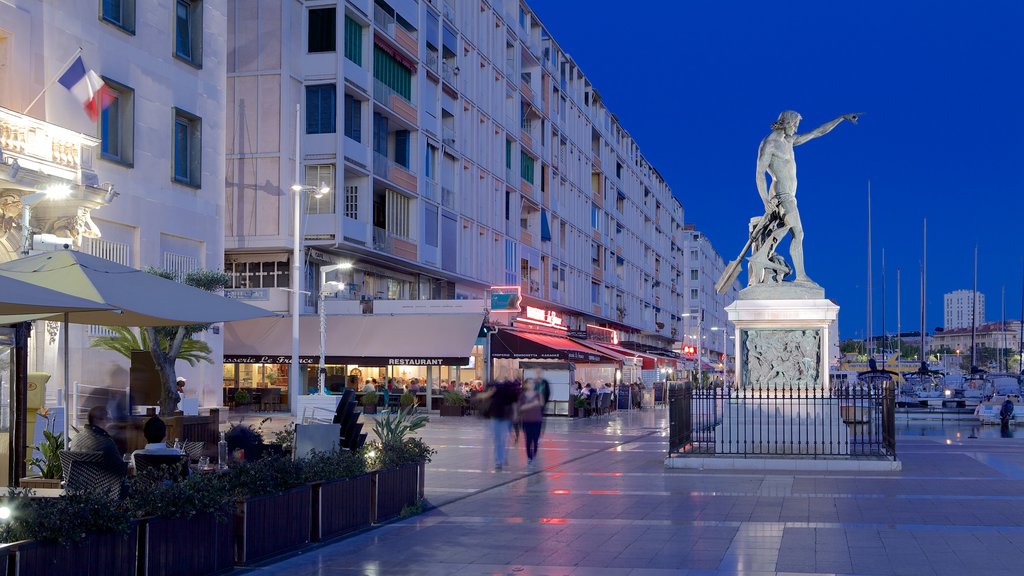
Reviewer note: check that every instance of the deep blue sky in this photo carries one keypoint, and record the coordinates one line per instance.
(941, 86)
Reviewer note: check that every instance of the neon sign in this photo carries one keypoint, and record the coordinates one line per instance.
(542, 317)
(505, 299)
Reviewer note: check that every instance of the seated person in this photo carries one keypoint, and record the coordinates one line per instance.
(155, 432)
(94, 438)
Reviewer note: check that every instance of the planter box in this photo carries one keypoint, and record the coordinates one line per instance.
(103, 554)
(340, 507)
(198, 546)
(447, 410)
(371, 409)
(269, 525)
(39, 482)
(394, 489)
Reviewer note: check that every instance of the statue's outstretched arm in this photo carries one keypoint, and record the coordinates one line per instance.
(823, 129)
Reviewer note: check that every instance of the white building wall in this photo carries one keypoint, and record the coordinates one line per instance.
(957, 309)
(152, 214)
(703, 266)
(610, 258)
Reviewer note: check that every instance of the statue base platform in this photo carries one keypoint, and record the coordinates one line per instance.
(783, 291)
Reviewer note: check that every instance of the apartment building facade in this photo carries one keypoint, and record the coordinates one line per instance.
(704, 317)
(144, 179)
(956, 307)
(463, 149)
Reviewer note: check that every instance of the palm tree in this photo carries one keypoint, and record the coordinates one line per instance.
(168, 344)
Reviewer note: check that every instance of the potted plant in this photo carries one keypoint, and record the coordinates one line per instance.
(272, 512)
(76, 533)
(454, 404)
(369, 403)
(47, 464)
(398, 462)
(188, 520)
(579, 403)
(340, 492)
(408, 399)
(242, 398)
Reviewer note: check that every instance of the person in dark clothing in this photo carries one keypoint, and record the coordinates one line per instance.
(94, 438)
(531, 414)
(1005, 413)
(500, 398)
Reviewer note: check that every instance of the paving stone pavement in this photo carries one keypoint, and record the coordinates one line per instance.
(601, 503)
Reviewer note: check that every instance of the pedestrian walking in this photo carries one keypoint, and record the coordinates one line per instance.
(498, 399)
(531, 414)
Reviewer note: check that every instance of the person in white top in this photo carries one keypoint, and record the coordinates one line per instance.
(155, 431)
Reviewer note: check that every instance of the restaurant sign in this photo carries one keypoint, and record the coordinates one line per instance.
(505, 299)
(542, 317)
(601, 334)
(349, 360)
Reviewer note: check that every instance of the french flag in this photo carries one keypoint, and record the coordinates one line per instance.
(85, 85)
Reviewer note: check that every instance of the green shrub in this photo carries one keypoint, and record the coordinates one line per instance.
(369, 399)
(408, 399)
(453, 398)
(269, 475)
(242, 397)
(336, 465)
(67, 519)
(153, 495)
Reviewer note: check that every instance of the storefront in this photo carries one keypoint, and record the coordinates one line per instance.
(516, 352)
(413, 350)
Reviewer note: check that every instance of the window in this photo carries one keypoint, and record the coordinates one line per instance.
(319, 176)
(188, 31)
(595, 254)
(117, 123)
(430, 162)
(508, 154)
(693, 254)
(693, 294)
(120, 13)
(618, 170)
(353, 118)
(188, 146)
(353, 41)
(430, 225)
(526, 169)
(595, 293)
(352, 202)
(693, 274)
(321, 29)
(595, 216)
(402, 148)
(320, 109)
(397, 223)
(392, 73)
(270, 274)
(380, 134)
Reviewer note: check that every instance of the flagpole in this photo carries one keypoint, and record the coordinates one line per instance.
(54, 79)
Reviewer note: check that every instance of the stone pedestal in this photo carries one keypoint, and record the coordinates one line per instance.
(779, 405)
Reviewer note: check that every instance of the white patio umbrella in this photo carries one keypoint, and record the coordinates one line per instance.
(126, 296)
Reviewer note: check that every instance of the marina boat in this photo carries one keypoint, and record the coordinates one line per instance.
(1004, 386)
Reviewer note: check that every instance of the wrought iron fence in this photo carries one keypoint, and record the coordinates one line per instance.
(856, 421)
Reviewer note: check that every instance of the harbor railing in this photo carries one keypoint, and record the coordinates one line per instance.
(852, 421)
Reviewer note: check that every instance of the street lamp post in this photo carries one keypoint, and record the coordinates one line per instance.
(325, 289)
(299, 190)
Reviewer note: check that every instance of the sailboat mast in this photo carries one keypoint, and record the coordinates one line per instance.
(1020, 345)
(974, 311)
(1002, 328)
(869, 327)
(899, 333)
(885, 341)
(924, 291)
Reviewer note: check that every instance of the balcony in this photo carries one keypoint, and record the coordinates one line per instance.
(394, 102)
(432, 190)
(524, 85)
(448, 136)
(448, 10)
(448, 74)
(394, 173)
(448, 197)
(387, 24)
(509, 175)
(432, 61)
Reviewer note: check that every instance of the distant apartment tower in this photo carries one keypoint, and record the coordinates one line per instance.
(702, 266)
(957, 308)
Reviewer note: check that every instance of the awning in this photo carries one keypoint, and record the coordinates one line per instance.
(509, 344)
(628, 357)
(367, 340)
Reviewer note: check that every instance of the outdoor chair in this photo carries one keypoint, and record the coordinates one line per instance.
(591, 404)
(149, 464)
(271, 399)
(605, 403)
(69, 456)
(87, 475)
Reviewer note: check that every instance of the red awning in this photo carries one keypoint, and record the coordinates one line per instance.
(623, 355)
(520, 344)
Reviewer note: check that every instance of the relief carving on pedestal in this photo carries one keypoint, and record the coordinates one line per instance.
(781, 358)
